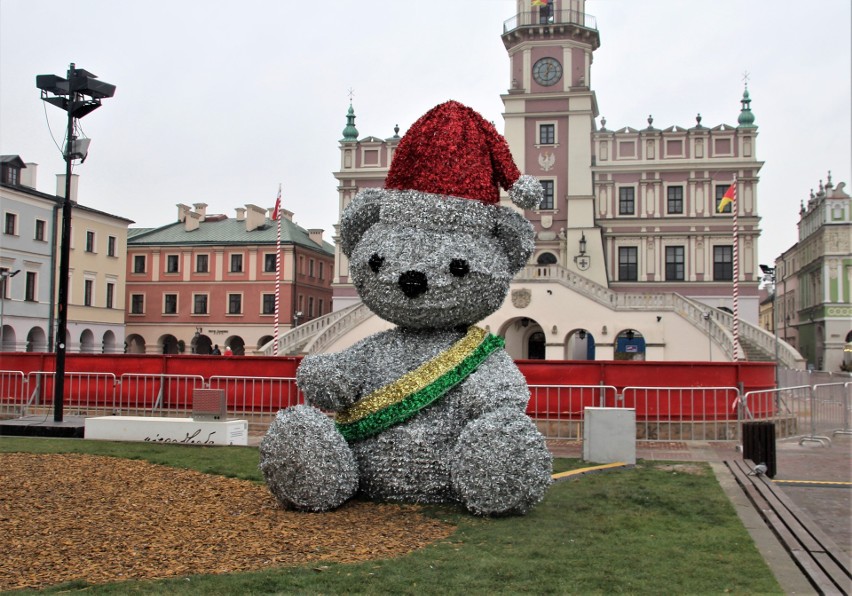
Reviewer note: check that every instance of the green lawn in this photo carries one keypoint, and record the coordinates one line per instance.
(649, 529)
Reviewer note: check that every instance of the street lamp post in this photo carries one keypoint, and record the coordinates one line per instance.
(78, 95)
(769, 277)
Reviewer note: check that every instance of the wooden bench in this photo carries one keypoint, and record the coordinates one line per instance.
(824, 564)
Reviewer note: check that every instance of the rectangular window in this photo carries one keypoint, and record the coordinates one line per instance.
(720, 193)
(31, 290)
(169, 304)
(111, 246)
(172, 263)
(723, 263)
(202, 264)
(547, 201)
(199, 304)
(311, 268)
(139, 264)
(88, 288)
(321, 275)
(10, 224)
(310, 307)
(110, 295)
(626, 200)
(628, 263)
(90, 241)
(675, 200)
(137, 304)
(319, 309)
(40, 227)
(236, 263)
(546, 134)
(269, 304)
(269, 262)
(675, 263)
(235, 304)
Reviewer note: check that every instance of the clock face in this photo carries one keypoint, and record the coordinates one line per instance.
(547, 71)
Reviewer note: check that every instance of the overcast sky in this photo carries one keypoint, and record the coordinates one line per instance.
(219, 102)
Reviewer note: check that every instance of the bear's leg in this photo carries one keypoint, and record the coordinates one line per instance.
(501, 464)
(306, 462)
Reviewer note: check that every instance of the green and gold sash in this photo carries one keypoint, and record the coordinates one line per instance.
(402, 399)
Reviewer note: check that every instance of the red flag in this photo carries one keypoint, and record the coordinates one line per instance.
(276, 213)
(730, 196)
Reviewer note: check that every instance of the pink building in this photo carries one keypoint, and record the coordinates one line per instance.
(208, 281)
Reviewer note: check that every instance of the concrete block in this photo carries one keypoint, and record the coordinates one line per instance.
(167, 430)
(609, 435)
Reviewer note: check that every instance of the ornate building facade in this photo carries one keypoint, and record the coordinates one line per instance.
(814, 280)
(634, 259)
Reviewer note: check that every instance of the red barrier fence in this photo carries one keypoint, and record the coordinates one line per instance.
(560, 389)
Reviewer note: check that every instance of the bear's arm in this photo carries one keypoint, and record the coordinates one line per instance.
(326, 381)
(496, 384)
(333, 382)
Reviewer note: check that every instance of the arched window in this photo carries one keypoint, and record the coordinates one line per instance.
(546, 258)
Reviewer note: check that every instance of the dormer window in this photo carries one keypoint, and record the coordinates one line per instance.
(10, 169)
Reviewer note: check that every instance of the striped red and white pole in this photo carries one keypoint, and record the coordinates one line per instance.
(277, 213)
(735, 206)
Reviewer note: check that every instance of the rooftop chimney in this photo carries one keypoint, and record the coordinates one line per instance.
(255, 217)
(287, 214)
(241, 213)
(182, 211)
(315, 235)
(28, 175)
(201, 209)
(60, 186)
(193, 220)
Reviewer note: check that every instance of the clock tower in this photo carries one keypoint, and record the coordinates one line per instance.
(550, 115)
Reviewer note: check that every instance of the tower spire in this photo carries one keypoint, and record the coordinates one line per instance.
(350, 133)
(746, 118)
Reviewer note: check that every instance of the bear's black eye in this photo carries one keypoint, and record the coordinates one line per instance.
(376, 262)
(459, 267)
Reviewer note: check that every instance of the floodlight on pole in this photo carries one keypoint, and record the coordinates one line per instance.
(79, 94)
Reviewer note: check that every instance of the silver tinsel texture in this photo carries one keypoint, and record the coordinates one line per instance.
(433, 265)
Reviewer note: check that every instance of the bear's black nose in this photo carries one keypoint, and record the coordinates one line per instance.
(413, 283)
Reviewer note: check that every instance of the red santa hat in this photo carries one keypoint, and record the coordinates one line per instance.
(452, 150)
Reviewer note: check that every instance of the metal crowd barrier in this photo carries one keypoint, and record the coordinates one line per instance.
(809, 412)
(684, 413)
(12, 387)
(558, 409)
(257, 399)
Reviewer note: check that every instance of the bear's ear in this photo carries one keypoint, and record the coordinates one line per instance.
(358, 216)
(515, 234)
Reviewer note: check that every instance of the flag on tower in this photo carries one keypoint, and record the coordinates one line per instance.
(539, 2)
(277, 211)
(729, 197)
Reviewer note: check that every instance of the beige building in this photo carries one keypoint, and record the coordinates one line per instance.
(32, 221)
(634, 259)
(98, 262)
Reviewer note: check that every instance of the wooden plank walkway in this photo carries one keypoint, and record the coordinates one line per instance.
(826, 566)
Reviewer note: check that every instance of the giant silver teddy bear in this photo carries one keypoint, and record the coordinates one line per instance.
(432, 410)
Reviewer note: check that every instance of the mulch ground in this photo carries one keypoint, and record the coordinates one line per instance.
(67, 517)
